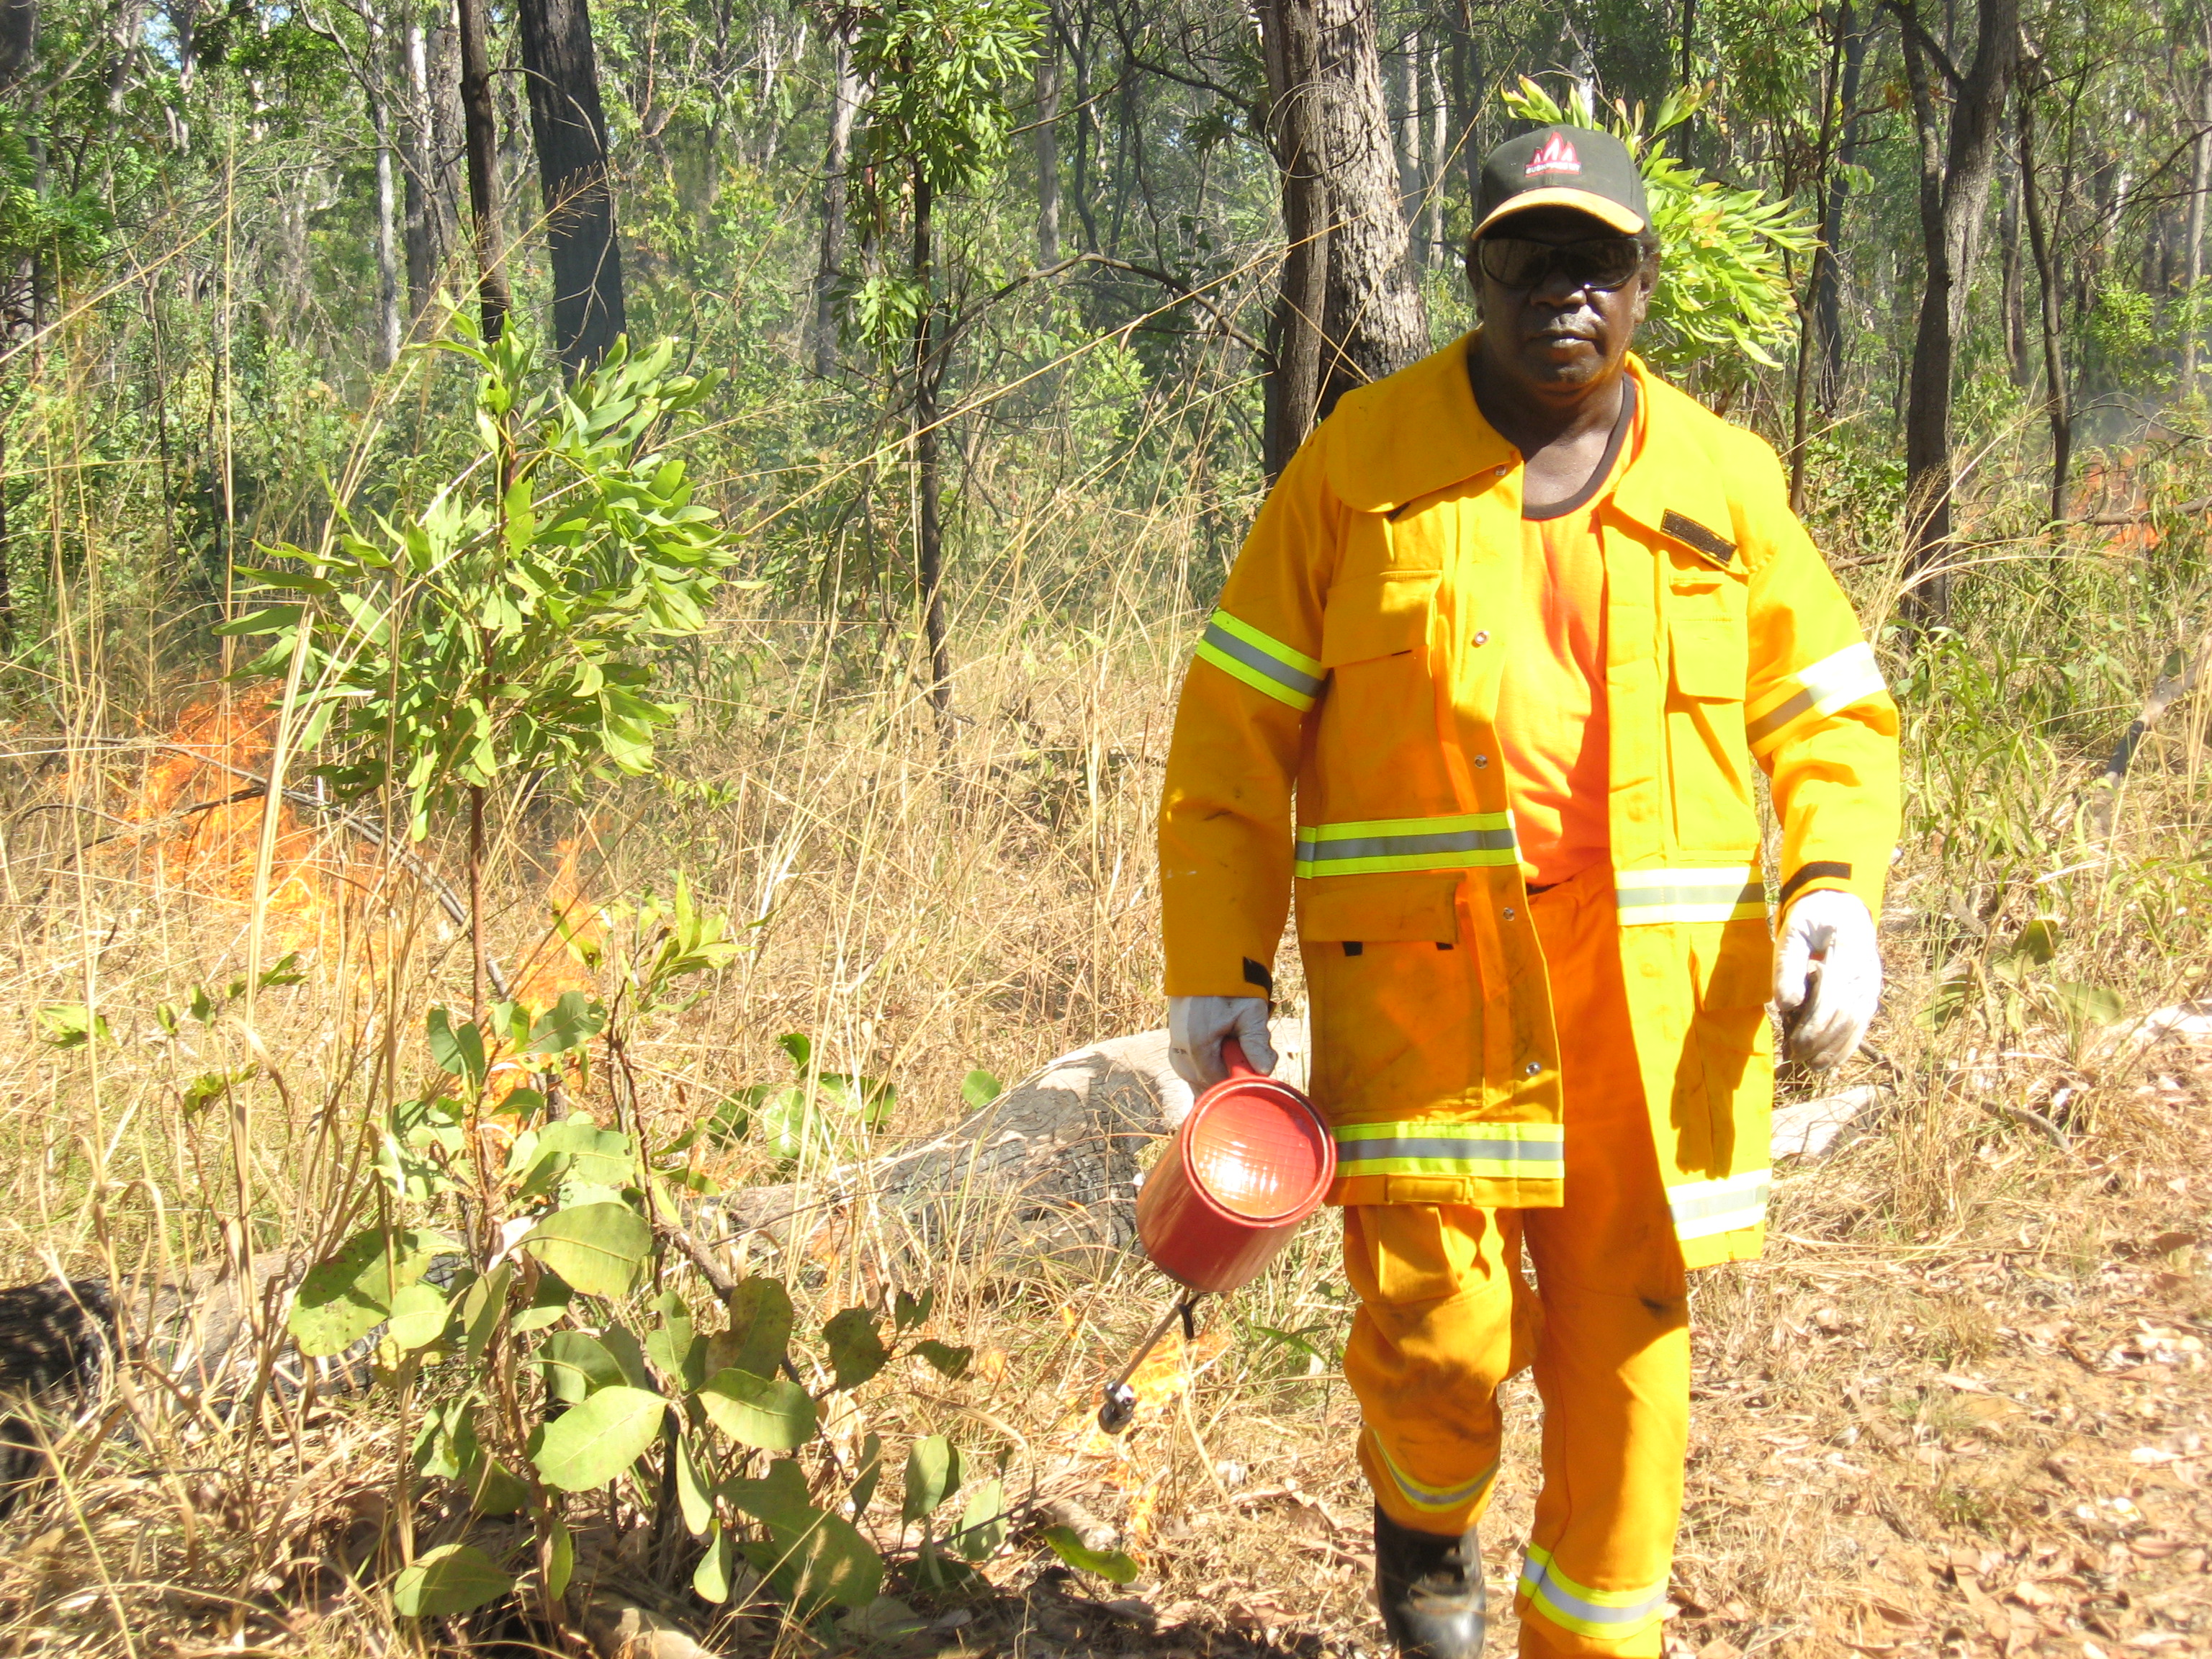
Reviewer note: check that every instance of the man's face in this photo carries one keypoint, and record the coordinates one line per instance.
(1564, 335)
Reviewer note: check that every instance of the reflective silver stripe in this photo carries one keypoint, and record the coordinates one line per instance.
(1429, 1498)
(1835, 682)
(1702, 1208)
(1381, 844)
(1265, 664)
(1610, 1615)
(1729, 894)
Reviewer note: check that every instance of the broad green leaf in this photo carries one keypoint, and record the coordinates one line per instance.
(419, 1317)
(1109, 1564)
(491, 1489)
(2037, 942)
(692, 1498)
(591, 1444)
(869, 1474)
(549, 1303)
(759, 1332)
(577, 1153)
(2087, 1004)
(562, 1566)
(618, 1341)
(576, 1365)
(856, 1353)
(909, 1311)
(950, 1362)
(932, 1474)
(480, 1309)
(833, 1562)
(674, 1346)
(798, 1046)
(982, 1522)
(600, 1248)
(711, 1578)
(455, 1050)
(778, 1500)
(71, 1025)
(570, 1023)
(979, 1089)
(452, 1579)
(773, 1415)
(342, 1300)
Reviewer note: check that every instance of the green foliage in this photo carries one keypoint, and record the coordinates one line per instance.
(1109, 1564)
(822, 1114)
(1724, 288)
(499, 631)
(942, 71)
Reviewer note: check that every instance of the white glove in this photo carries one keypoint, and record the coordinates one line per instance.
(1196, 1026)
(1827, 978)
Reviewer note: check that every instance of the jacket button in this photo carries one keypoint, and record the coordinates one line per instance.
(1482, 761)
(1532, 1068)
(1482, 636)
(1503, 471)
(1509, 913)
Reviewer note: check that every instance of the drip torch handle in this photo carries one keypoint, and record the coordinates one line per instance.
(1232, 1056)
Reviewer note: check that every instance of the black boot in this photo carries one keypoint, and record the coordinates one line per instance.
(1430, 1585)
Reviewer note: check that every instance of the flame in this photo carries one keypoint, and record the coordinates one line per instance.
(577, 928)
(1134, 1463)
(201, 803)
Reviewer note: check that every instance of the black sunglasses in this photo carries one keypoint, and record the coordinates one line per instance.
(1603, 263)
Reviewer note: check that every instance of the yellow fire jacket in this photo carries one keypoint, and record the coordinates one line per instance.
(1353, 666)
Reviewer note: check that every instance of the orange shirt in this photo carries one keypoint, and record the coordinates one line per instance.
(1553, 728)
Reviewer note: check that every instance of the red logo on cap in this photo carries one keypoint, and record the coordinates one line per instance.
(1558, 155)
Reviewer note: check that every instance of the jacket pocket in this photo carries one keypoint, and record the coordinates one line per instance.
(1707, 636)
(1375, 616)
(1384, 908)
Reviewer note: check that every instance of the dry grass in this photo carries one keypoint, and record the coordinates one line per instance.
(1960, 1409)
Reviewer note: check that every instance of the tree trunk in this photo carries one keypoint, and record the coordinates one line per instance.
(1439, 142)
(1413, 182)
(2057, 402)
(428, 234)
(1823, 256)
(829, 269)
(1046, 137)
(2192, 229)
(19, 40)
(485, 209)
(386, 351)
(929, 541)
(1956, 171)
(571, 134)
(1829, 304)
(1341, 218)
(2012, 303)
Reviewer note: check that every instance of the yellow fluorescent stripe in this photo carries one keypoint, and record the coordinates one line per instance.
(1481, 858)
(1437, 826)
(1430, 1497)
(1835, 682)
(1470, 1168)
(1636, 880)
(1608, 1615)
(1274, 647)
(1345, 1132)
(1252, 676)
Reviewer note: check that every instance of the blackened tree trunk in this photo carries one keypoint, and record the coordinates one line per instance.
(830, 268)
(1828, 305)
(1349, 311)
(1956, 168)
(570, 130)
(18, 38)
(2057, 405)
(929, 533)
(482, 143)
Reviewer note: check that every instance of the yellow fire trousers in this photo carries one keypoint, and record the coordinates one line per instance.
(1446, 1316)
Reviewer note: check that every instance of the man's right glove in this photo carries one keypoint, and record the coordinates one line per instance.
(1196, 1026)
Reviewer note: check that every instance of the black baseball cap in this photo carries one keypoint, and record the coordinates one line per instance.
(1578, 168)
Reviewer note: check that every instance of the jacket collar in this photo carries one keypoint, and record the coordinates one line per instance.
(1420, 430)
(1411, 434)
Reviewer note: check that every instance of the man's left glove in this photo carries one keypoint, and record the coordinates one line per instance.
(1827, 978)
(1196, 1026)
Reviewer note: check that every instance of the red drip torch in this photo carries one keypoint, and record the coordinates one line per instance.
(1251, 1161)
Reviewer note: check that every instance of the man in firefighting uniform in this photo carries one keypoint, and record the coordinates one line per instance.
(1483, 692)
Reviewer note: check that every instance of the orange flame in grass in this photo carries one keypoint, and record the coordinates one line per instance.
(200, 798)
(554, 965)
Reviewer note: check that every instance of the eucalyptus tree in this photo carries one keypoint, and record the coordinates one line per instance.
(946, 74)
